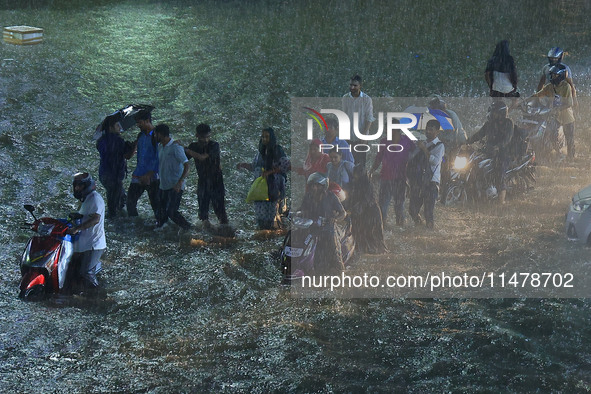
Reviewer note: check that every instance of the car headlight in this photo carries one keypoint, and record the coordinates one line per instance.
(581, 205)
(460, 162)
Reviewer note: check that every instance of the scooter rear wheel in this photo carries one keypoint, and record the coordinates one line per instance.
(34, 293)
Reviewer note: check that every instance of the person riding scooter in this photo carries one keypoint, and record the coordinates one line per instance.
(497, 133)
(325, 209)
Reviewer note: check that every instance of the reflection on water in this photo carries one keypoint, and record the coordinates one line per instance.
(213, 318)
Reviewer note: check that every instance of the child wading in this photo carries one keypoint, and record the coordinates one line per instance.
(210, 187)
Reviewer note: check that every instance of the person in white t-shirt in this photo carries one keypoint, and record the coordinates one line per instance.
(91, 242)
(358, 106)
(501, 73)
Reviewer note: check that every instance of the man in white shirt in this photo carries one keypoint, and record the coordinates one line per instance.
(173, 169)
(357, 102)
(425, 193)
(91, 243)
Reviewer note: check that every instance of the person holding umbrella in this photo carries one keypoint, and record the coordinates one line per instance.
(114, 152)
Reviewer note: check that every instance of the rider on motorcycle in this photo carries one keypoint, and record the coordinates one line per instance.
(452, 139)
(563, 103)
(554, 58)
(324, 208)
(497, 132)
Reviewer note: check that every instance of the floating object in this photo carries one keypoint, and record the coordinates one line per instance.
(223, 241)
(23, 35)
(198, 243)
(261, 235)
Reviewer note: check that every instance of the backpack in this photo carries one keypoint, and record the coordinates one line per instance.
(418, 169)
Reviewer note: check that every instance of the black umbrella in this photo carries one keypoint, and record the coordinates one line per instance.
(125, 117)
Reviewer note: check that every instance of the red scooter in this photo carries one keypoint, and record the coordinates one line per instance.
(47, 256)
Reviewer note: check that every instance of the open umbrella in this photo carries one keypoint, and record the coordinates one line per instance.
(125, 117)
(425, 114)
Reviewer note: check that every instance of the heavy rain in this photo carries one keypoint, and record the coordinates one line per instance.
(198, 313)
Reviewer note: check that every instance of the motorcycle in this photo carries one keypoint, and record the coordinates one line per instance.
(472, 176)
(46, 261)
(544, 131)
(299, 247)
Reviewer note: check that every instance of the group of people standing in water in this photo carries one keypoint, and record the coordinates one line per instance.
(340, 172)
(163, 165)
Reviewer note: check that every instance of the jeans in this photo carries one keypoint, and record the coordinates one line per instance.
(170, 200)
(392, 188)
(134, 193)
(423, 197)
(115, 194)
(206, 194)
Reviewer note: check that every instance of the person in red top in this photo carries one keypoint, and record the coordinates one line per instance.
(316, 161)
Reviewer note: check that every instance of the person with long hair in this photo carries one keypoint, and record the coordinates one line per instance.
(272, 163)
(366, 216)
(500, 73)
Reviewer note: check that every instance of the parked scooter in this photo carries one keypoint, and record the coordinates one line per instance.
(472, 176)
(299, 247)
(45, 263)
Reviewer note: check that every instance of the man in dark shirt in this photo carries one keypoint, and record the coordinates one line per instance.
(210, 187)
(114, 152)
(497, 133)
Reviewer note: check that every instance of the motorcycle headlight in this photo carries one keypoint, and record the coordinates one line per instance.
(460, 163)
(581, 205)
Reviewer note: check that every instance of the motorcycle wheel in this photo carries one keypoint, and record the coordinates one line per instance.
(517, 185)
(456, 195)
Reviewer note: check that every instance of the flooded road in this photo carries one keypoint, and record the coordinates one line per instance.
(187, 313)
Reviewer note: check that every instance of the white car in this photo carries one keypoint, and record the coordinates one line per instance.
(578, 217)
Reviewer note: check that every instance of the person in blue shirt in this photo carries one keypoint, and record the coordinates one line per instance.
(145, 176)
(114, 152)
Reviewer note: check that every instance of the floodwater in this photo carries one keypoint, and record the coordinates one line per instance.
(204, 315)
